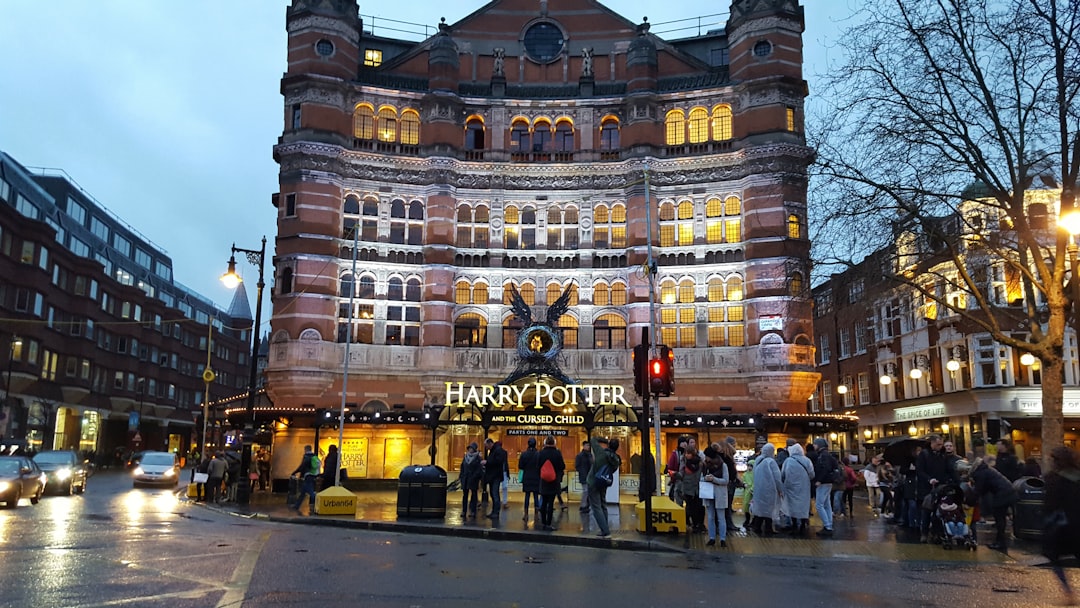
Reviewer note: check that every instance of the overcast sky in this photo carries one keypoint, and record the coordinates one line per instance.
(166, 111)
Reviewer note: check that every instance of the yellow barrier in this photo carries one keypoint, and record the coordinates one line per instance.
(335, 500)
(666, 515)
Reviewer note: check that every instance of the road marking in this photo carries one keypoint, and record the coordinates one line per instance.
(237, 587)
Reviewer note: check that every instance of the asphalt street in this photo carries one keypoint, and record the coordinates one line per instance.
(119, 546)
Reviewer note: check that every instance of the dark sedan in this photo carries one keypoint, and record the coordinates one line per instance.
(66, 471)
(20, 477)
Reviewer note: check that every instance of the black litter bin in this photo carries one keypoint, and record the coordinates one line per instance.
(294, 491)
(422, 491)
(1028, 510)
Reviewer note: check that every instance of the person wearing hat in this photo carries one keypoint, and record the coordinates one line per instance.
(606, 455)
(529, 465)
(471, 474)
(825, 473)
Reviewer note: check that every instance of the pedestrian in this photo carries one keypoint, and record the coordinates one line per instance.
(203, 470)
(847, 498)
(931, 470)
(330, 467)
(1031, 468)
(308, 471)
(870, 476)
(784, 522)
(886, 482)
(748, 492)
(472, 473)
(690, 468)
(605, 456)
(797, 476)
(995, 494)
(1006, 461)
(826, 472)
(583, 464)
(549, 489)
(494, 471)
(727, 449)
(262, 466)
(215, 474)
(232, 475)
(529, 468)
(713, 491)
(1062, 508)
(505, 486)
(768, 491)
(674, 487)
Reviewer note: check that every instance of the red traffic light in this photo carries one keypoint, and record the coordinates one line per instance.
(656, 368)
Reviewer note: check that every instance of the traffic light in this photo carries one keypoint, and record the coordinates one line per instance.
(661, 373)
(641, 369)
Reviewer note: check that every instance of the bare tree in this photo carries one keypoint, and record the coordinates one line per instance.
(933, 97)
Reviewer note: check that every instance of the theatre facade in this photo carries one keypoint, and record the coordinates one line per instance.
(464, 230)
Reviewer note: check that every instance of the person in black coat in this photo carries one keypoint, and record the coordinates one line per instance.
(931, 470)
(996, 494)
(330, 467)
(1062, 508)
(494, 465)
(529, 465)
(549, 489)
(472, 473)
(1006, 461)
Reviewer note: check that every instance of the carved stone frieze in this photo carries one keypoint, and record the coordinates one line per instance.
(326, 24)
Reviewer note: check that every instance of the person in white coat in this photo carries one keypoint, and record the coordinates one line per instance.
(713, 490)
(768, 491)
(798, 477)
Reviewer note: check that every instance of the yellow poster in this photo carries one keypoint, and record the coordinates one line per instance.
(354, 455)
(397, 456)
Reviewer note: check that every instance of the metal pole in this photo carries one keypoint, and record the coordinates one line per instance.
(7, 387)
(243, 491)
(654, 406)
(206, 395)
(345, 364)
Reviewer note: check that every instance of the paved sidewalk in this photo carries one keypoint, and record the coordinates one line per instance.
(862, 537)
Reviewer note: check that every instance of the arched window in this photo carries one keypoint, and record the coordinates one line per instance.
(609, 332)
(394, 291)
(618, 293)
(528, 293)
(714, 228)
(668, 293)
(371, 208)
(352, 205)
(511, 230)
(397, 208)
(367, 288)
(686, 291)
(667, 212)
(397, 224)
(480, 293)
(462, 292)
(346, 285)
(721, 122)
(734, 289)
(716, 290)
(474, 134)
(508, 293)
(410, 127)
(675, 128)
(601, 296)
(554, 290)
(386, 124)
(464, 214)
(699, 126)
(542, 136)
(732, 206)
(686, 210)
(470, 331)
(364, 122)
(609, 135)
(564, 136)
(520, 141)
(795, 285)
(412, 290)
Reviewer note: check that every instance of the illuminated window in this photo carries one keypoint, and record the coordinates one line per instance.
(601, 295)
(474, 134)
(618, 293)
(609, 227)
(732, 206)
(364, 122)
(667, 292)
(721, 123)
(462, 292)
(554, 290)
(470, 331)
(791, 119)
(735, 289)
(568, 327)
(386, 124)
(372, 58)
(732, 231)
(480, 293)
(675, 128)
(609, 332)
(716, 290)
(520, 141)
(528, 293)
(699, 126)
(714, 208)
(795, 285)
(714, 232)
(686, 291)
(410, 127)
(794, 227)
(472, 226)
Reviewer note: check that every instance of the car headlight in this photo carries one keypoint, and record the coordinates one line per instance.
(63, 473)
(137, 471)
(169, 473)
(5, 486)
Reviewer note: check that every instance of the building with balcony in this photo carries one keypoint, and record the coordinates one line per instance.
(104, 348)
(905, 358)
(539, 147)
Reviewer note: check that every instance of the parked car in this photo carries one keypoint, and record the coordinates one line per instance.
(66, 471)
(157, 468)
(20, 477)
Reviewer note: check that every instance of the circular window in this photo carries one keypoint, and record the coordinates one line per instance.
(324, 47)
(762, 48)
(544, 42)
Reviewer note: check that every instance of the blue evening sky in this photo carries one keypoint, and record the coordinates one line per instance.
(166, 111)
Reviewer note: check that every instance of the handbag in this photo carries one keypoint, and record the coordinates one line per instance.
(706, 489)
(603, 478)
(521, 475)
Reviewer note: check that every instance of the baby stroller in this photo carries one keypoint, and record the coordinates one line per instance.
(948, 521)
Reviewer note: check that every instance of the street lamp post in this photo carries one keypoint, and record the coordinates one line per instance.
(16, 342)
(231, 279)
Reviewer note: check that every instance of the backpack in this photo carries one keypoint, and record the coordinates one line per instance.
(836, 476)
(314, 465)
(547, 472)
